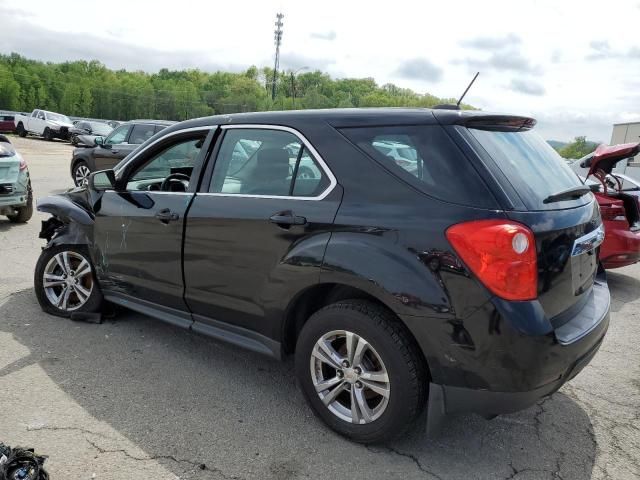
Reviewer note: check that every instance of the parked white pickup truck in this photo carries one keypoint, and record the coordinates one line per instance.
(49, 125)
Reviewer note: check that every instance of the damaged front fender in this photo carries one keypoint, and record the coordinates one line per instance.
(71, 222)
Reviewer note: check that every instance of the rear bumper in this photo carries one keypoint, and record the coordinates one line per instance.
(18, 199)
(550, 361)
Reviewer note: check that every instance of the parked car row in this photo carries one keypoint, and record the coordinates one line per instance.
(465, 279)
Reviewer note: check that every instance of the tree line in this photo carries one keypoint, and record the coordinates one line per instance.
(90, 89)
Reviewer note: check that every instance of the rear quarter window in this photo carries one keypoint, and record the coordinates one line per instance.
(425, 157)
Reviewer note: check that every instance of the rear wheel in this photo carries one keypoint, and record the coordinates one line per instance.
(23, 214)
(20, 130)
(361, 371)
(81, 173)
(64, 281)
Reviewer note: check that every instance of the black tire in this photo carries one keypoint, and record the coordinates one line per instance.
(75, 173)
(94, 301)
(47, 134)
(405, 366)
(74, 139)
(21, 131)
(23, 214)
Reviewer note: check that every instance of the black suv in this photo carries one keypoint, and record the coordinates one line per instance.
(108, 151)
(464, 276)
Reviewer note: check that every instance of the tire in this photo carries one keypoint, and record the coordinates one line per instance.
(77, 299)
(21, 131)
(47, 134)
(74, 140)
(391, 350)
(23, 214)
(80, 173)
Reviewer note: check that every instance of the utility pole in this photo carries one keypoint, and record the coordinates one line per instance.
(277, 37)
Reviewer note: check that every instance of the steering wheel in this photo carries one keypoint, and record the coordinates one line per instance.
(181, 177)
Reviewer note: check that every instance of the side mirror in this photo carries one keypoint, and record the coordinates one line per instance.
(102, 180)
(98, 141)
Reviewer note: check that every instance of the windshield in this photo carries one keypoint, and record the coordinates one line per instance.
(531, 165)
(102, 129)
(56, 117)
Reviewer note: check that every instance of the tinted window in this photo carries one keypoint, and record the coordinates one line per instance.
(141, 133)
(119, 135)
(98, 128)
(266, 162)
(425, 157)
(532, 166)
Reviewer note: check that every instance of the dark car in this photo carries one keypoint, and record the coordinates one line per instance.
(109, 150)
(7, 123)
(84, 132)
(470, 282)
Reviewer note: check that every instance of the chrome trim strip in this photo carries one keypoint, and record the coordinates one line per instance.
(332, 179)
(162, 138)
(588, 242)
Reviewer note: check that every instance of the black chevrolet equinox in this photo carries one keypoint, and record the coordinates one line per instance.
(405, 257)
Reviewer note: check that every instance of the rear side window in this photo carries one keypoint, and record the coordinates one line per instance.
(425, 157)
(531, 165)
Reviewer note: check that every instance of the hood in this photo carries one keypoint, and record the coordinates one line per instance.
(87, 140)
(605, 157)
(60, 124)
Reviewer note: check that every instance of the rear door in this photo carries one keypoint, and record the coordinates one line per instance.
(529, 173)
(258, 227)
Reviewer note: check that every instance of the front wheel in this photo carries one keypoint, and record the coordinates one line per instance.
(361, 371)
(81, 173)
(65, 282)
(47, 135)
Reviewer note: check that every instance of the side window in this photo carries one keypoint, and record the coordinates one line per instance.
(266, 162)
(41, 115)
(141, 133)
(178, 158)
(119, 135)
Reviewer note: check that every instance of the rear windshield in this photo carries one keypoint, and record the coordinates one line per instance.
(532, 166)
(425, 157)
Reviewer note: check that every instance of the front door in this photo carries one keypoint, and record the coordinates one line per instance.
(258, 228)
(115, 148)
(138, 229)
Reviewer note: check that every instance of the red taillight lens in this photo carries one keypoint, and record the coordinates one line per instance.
(23, 164)
(502, 254)
(613, 212)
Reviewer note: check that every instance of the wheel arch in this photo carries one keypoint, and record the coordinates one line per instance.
(315, 297)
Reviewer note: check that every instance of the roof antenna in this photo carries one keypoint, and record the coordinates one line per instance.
(465, 92)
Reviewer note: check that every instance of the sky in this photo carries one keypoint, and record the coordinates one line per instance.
(573, 65)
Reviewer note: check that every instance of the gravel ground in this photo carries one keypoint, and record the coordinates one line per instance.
(135, 398)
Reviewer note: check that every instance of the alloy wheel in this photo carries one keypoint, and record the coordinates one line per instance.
(350, 377)
(67, 280)
(81, 175)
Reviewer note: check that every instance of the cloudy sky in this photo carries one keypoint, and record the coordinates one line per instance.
(574, 65)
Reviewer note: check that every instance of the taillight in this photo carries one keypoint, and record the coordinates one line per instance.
(613, 212)
(501, 253)
(23, 164)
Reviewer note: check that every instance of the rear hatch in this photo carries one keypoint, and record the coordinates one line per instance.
(539, 190)
(9, 168)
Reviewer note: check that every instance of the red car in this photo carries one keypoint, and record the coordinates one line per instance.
(6, 123)
(620, 211)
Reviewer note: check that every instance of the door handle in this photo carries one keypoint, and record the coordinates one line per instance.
(287, 218)
(165, 215)
(115, 151)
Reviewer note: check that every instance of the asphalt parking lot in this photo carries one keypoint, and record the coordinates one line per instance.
(136, 398)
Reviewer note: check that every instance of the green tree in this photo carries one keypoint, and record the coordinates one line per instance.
(578, 148)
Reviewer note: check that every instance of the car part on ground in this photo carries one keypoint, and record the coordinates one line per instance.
(21, 464)
(106, 152)
(619, 206)
(16, 197)
(361, 266)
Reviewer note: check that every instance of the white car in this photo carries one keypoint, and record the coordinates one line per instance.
(49, 125)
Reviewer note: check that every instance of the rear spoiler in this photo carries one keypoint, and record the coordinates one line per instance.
(498, 123)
